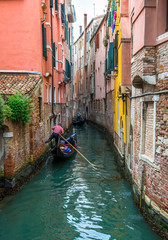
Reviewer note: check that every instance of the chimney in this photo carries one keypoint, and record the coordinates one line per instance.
(80, 30)
(85, 21)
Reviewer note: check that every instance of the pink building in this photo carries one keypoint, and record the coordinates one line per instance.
(35, 47)
(35, 39)
(100, 56)
(149, 105)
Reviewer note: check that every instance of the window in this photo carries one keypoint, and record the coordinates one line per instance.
(62, 13)
(56, 58)
(58, 95)
(47, 94)
(162, 18)
(56, 5)
(54, 94)
(148, 125)
(53, 54)
(111, 57)
(61, 93)
(44, 42)
(116, 50)
(50, 93)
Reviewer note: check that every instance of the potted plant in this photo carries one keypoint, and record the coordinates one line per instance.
(105, 41)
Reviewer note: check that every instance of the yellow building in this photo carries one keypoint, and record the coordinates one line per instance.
(122, 76)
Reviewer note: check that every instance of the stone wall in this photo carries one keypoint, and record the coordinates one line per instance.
(149, 119)
(25, 144)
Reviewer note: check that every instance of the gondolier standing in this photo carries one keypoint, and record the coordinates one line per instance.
(56, 131)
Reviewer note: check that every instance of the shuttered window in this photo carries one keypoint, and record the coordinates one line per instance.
(56, 5)
(68, 70)
(51, 3)
(111, 57)
(116, 50)
(105, 69)
(69, 37)
(53, 54)
(62, 13)
(109, 19)
(44, 42)
(96, 42)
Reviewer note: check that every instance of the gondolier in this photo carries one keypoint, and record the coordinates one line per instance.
(66, 148)
(56, 131)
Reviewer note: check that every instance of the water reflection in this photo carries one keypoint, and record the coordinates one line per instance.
(72, 200)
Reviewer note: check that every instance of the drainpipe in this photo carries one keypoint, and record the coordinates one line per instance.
(106, 17)
(52, 100)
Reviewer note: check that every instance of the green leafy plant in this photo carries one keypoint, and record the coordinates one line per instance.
(105, 41)
(5, 111)
(21, 107)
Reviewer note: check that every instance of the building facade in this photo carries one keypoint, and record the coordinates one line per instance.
(149, 103)
(35, 60)
(130, 96)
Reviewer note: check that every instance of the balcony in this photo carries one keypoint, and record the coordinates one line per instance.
(71, 14)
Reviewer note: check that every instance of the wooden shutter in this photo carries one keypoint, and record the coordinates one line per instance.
(53, 54)
(44, 42)
(116, 50)
(111, 57)
(56, 5)
(62, 13)
(51, 3)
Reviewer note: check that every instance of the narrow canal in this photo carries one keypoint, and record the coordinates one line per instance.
(71, 200)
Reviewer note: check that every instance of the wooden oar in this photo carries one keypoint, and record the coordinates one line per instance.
(80, 153)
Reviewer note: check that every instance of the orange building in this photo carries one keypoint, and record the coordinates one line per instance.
(33, 42)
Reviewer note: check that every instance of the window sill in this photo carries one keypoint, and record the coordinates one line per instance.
(162, 38)
(149, 161)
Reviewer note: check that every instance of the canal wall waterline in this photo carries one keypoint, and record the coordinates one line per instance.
(11, 186)
(147, 207)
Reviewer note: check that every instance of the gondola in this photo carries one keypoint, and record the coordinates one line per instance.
(79, 122)
(64, 150)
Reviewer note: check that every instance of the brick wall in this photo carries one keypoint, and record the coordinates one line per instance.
(27, 143)
(156, 170)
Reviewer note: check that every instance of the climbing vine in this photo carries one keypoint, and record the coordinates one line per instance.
(21, 107)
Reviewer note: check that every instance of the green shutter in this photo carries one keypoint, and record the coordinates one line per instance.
(44, 42)
(105, 69)
(53, 54)
(68, 69)
(111, 57)
(109, 19)
(56, 5)
(116, 50)
(69, 37)
(51, 3)
(62, 13)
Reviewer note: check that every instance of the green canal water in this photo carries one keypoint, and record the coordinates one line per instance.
(71, 200)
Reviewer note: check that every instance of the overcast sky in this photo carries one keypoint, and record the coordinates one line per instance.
(87, 6)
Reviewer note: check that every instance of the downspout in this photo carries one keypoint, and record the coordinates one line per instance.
(106, 17)
(52, 100)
